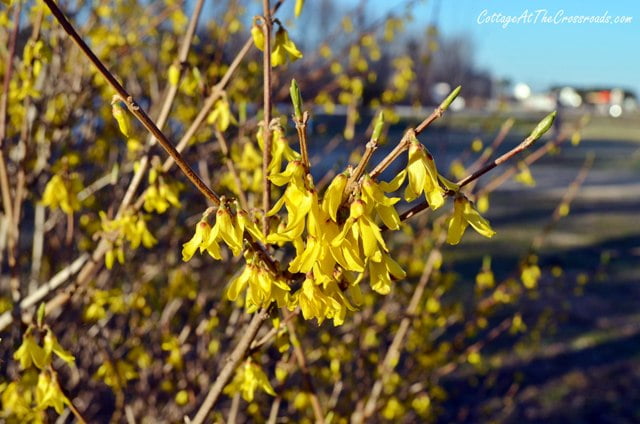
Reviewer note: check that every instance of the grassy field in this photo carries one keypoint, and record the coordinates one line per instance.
(584, 364)
(581, 361)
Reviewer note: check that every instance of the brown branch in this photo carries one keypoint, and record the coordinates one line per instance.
(163, 116)
(371, 147)
(267, 25)
(400, 148)
(230, 364)
(133, 107)
(412, 133)
(5, 187)
(91, 266)
(304, 368)
(533, 157)
(224, 147)
(525, 144)
(216, 92)
(393, 352)
(301, 129)
(497, 141)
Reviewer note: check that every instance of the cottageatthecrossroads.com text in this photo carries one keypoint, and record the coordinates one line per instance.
(544, 16)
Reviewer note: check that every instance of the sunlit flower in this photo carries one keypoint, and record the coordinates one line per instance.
(61, 193)
(30, 352)
(374, 195)
(381, 274)
(333, 195)
(198, 241)
(48, 393)
(423, 176)
(249, 377)
(360, 227)
(464, 215)
(284, 49)
(51, 345)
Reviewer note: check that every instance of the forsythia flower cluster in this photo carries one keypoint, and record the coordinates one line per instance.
(336, 239)
(129, 227)
(62, 193)
(38, 389)
(161, 194)
(283, 50)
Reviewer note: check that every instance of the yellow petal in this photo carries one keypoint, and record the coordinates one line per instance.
(379, 278)
(435, 198)
(258, 37)
(478, 223)
(228, 231)
(123, 119)
(395, 183)
(417, 177)
(304, 262)
(202, 233)
(457, 223)
(333, 195)
(375, 193)
(51, 345)
(248, 224)
(239, 283)
(393, 267)
(389, 216)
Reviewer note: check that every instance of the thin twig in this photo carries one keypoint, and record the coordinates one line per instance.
(497, 141)
(371, 147)
(133, 107)
(526, 143)
(267, 25)
(412, 133)
(224, 147)
(163, 116)
(56, 281)
(301, 359)
(393, 155)
(86, 273)
(216, 92)
(533, 157)
(233, 411)
(393, 352)
(301, 129)
(500, 160)
(5, 188)
(231, 363)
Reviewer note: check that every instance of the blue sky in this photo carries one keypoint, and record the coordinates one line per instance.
(542, 54)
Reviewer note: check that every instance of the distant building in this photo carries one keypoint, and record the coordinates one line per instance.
(606, 100)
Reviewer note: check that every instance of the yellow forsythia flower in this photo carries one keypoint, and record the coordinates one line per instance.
(284, 49)
(48, 393)
(116, 377)
(198, 241)
(30, 352)
(333, 195)
(530, 276)
(524, 176)
(122, 117)
(423, 176)
(258, 36)
(51, 345)
(221, 116)
(463, 215)
(248, 378)
(62, 194)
